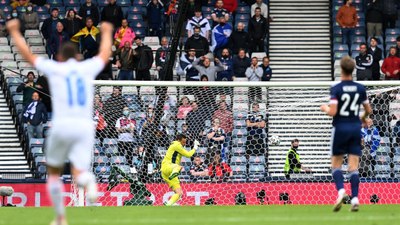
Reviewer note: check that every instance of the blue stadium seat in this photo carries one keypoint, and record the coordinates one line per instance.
(21, 9)
(14, 80)
(93, 2)
(382, 169)
(42, 10)
(98, 150)
(69, 3)
(354, 54)
(239, 123)
(102, 170)
(238, 160)
(340, 47)
(340, 54)
(19, 108)
(55, 3)
(256, 168)
(36, 142)
(337, 31)
(359, 39)
(140, 32)
(138, 24)
(359, 31)
(238, 115)
(134, 16)
(102, 3)
(112, 150)
(140, 2)
(75, 8)
(13, 89)
(355, 47)
(238, 150)
(383, 159)
(4, 2)
(206, 9)
(242, 17)
(36, 151)
(6, 9)
(390, 38)
(17, 99)
(201, 150)
(124, 3)
(40, 160)
(108, 142)
(238, 169)
(337, 39)
(239, 142)
(118, 160)
(43, 17)
(257, 160)
(101, 160)
(239, 132)
(243, 10)
(392, 31)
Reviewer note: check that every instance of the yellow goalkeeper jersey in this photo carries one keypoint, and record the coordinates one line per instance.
(175, 153)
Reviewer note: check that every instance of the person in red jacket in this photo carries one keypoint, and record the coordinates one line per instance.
(391, 65)
(230, 5)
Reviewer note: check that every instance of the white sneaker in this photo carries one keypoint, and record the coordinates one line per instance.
(91, 192)
(59, 222)
(339, 200)
(355, 204)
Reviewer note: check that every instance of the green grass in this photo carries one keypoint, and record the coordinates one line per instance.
(218, 215)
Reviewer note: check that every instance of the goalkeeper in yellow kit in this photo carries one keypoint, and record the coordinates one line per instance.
(171, 168)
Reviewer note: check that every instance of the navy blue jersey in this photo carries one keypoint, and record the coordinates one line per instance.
(349, 96)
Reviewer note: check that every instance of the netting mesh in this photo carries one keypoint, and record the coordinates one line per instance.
(136, 125)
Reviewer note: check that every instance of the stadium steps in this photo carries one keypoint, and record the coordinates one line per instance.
(12, 158)
(299, 42)
(294, 113)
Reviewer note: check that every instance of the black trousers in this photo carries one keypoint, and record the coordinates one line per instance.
(142, 74)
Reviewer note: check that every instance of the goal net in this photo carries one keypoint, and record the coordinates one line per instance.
(245, 130)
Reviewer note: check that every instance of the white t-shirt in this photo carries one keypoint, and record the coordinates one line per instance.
(71, 86)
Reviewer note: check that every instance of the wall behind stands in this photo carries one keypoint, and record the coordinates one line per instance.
(224, 193)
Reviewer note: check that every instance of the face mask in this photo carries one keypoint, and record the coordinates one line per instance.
(14, 14)
(196, 35)
(126, 113)
(29, 9)
(150, 115)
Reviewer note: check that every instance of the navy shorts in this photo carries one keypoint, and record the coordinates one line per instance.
(346, 139)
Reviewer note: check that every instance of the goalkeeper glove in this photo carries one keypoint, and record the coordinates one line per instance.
(196, 145)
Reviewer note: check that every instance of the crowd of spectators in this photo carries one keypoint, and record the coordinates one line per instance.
(216, 37)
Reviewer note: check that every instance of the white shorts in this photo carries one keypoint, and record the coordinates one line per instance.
(72, 140)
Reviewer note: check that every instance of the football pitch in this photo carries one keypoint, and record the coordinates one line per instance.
(215, 215)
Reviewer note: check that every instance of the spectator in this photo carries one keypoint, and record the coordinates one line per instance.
(230, 5)
(197, 42)
(206, 68)
(3, 19)
(35, 115)
(72, 23)
(258, 28)
(240, 64)
(389, 13)
(255, 124)
(218, 170)
(91, 10)
(144, 164)
(144, 59)
(218, 12)
(239, 39)
(220, 36)
(30, 19)
(112, 13)
(49, 28)
(149, 131)
(161, 56)
(380, 103)
(185, 69)
(125, 127)
(216, 137)
(398, 46)
(254, 73)
(125, 63)
(88, 37)
(195, 120)
(263, 7)
(227, 62)
(391, 65)
(57, 39)
(371, 140)
(267, 71)
(28, 88)
(198, 21)
(155, 15)
(374, 18)
(184, 109)
(396, 131)
(225, 117)
(198, 169)
(19, 3)
(45, 94)
(124, 34)
(376, 53)
(292, 163)
(347, 19)
(113, 109)
(363, 63)
(98, 118)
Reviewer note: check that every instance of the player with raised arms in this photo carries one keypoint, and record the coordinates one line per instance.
(72, 133)
(171, 168)
(346, 98)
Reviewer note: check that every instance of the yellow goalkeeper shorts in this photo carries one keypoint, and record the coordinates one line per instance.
(166, 170)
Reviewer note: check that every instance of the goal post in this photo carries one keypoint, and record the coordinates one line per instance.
(137, 120)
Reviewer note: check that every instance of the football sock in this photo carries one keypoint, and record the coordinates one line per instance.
(355, 182)
(55, 188)
(174, 198)
(338, 177)
(84, 179)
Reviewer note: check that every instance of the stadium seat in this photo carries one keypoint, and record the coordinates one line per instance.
(38, 49)
(238, 160)
(6, 56)
(107, 142)
(380, 169)
(239, 142)
(257, 170)
(240, 107)
(140, 32)
(111, 150)
(5, 49)
(240, 91)
(17, 99)
(40, 160)
(392, 31)
(239, 124)
(69, 3)
(141, 2)
(32, 33)
(102, 170)
(390, 39)
(242, 17)
(101, 161)
(382, 159)
(238, 151)
(241, 99)
(240, 115)
(239, 132)
(36, 151)
(118, 160)
(206, 9)
(35, 41)
(36, 142)
(239, 173)
(102, 3)
(151, 40)
(55, 3)
(238, 169)
(25, 65)
(3, 41)
(243, 10)
(134, 16)
(257, 160)
(359, 39)
(340, 54)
